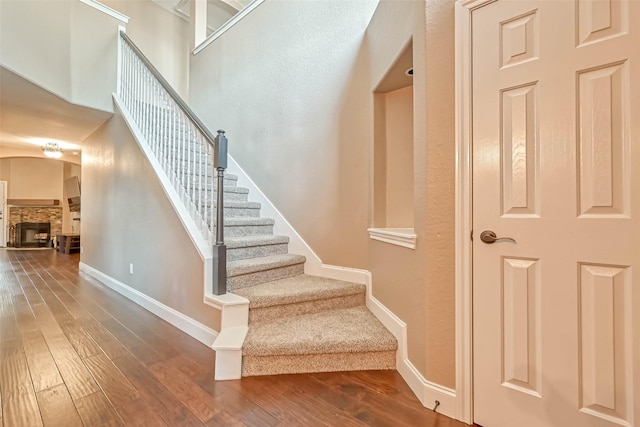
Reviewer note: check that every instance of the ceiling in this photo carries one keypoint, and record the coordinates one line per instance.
(31, 116)
(218, 11)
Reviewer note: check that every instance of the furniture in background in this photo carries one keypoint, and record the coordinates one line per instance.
(66, 243)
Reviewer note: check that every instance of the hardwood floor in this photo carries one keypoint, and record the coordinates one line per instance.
(75, 353)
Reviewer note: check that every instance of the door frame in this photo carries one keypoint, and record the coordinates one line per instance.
(464, 208)
(4, 222)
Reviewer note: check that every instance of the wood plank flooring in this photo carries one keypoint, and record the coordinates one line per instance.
(75, 353)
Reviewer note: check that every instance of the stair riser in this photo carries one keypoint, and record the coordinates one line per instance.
(307, 307)
(190, 174)
(228, 197)
(240, 212)
(210, 186)
(234, 212)
(241, 281)
(247, 230)
(296, 364)
(236, 254)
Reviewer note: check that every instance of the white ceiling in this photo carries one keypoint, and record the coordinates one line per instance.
(31, 116)
(218, 11)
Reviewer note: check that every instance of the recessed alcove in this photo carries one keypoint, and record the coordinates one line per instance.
(393, 153)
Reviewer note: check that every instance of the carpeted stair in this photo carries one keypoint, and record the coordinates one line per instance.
(297, 323)
(312, 324)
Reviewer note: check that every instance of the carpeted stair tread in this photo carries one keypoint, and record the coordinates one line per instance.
(257, 240)
(246, 221)
(350, 330)
(246, 266)
(292, 290)
(240, 205)
(233, 189)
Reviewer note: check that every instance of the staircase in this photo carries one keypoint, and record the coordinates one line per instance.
(296, 322)
(312, 324)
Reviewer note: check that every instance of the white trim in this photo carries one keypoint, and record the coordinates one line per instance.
(228, 348)
(234, 309)
(197, 330)
(4, 212)
(193, 231)
(230, 23)
(105, 9)
(297, 245)
(463, 290)
(426, 391)
(405, 237)
(119, 59)
(464, 210)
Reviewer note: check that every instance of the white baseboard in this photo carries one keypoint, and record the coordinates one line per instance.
(197, 330)
(297, 245)
(427, 392)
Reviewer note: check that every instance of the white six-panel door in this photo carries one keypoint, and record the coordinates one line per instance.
(556, 167)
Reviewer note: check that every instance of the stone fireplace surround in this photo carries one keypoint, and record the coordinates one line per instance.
(50, 214)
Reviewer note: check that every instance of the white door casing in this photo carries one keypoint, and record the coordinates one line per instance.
(4, 214)
(556, 316)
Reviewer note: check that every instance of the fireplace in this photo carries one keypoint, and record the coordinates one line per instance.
(33, 234)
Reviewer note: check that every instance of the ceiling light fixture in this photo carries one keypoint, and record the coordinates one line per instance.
(52, 150)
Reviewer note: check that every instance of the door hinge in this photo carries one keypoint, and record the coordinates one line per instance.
(471, 235)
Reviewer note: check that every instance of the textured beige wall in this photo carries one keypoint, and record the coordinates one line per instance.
(30, 178)
(127, 218)
(438, 157)
(162, 36)
(298, 109)
(67, 47)
(399, 157)
(419, 285)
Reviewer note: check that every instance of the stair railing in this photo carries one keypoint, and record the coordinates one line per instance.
(184, 147)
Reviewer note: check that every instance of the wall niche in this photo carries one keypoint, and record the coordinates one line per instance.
(393, 215)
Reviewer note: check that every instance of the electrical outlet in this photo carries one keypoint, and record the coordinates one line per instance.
(81, 249)
(131, 268)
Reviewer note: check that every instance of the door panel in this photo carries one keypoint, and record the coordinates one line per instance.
(556, 149)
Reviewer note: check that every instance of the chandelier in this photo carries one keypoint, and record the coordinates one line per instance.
(52, 150)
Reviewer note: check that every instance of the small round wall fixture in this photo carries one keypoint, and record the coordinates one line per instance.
(409, 72)
(52, 150)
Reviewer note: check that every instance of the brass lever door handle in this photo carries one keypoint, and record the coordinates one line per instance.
(489, 237)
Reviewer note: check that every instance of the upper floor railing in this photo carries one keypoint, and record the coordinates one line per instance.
(186, 150)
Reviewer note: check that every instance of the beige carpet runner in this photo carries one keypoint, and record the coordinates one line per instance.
(297, 323)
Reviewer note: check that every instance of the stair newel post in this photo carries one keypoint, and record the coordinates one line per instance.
(220, 249)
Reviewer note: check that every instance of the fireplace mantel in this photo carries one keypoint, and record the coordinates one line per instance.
(33, 202)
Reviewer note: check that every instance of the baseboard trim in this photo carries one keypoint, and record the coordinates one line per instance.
(192, 327)
(426, 391)
(297, 245)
